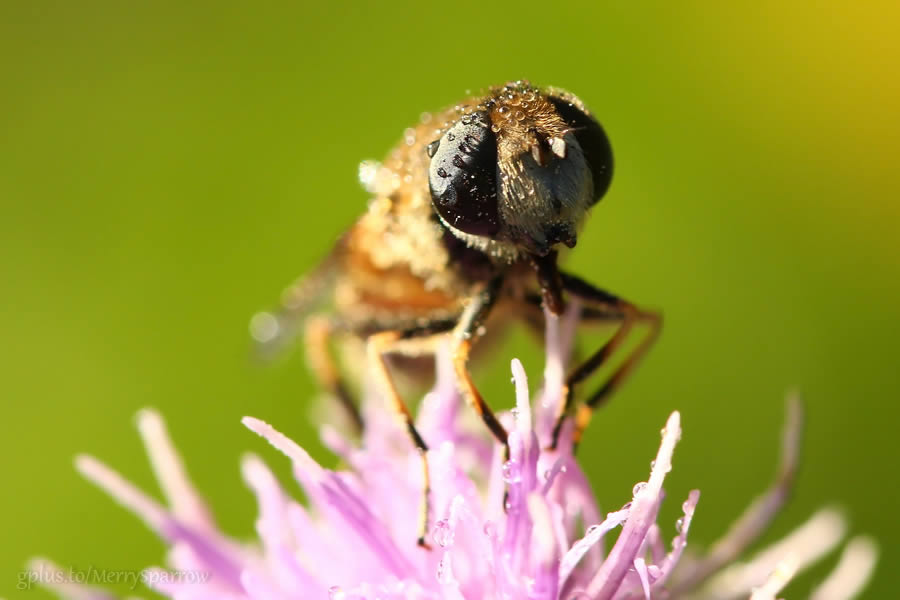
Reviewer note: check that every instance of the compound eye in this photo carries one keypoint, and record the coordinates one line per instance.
(463, 176)
(593, 142)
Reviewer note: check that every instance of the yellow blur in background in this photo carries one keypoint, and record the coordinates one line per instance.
(165, 169)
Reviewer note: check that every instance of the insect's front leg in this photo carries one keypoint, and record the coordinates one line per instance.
(607, 307)
(465, 334)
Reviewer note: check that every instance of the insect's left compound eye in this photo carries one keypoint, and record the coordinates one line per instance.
(593, 142)
(463, 176)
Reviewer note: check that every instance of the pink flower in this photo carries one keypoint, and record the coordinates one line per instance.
(356, 538)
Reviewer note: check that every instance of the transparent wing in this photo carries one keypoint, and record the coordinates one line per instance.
(275, 331)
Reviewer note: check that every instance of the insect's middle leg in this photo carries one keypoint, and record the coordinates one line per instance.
(412, 342)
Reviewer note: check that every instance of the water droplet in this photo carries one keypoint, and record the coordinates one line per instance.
(368, 172)
(264, 327)
(638, 488)
(431, 148)
(616, 518)
(442, 534)
(503, 110)
(591, 530)
(466, 120)
(490, 529)
(336, 593)
(687, 508)
(626, 506)
(495, 128)
(512, 472)
(520, 115)
(679, 525)
(444, 574)
(652, 464)
(547, 474)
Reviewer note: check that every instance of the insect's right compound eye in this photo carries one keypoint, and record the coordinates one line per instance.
(463, 176)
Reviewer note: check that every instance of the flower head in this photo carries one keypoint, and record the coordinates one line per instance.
(526, 528)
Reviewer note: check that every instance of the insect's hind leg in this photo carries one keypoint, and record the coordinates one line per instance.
(318, 333)
(601, 305)
(418, 341)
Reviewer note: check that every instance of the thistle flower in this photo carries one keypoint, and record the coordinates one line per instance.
(355, 540)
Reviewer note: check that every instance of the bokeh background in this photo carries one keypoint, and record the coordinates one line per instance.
(167, 167)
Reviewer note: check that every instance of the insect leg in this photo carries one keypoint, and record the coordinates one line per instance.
(411, 342)
(628, 315)
(318, 333)
(465, 334)
(548, 276)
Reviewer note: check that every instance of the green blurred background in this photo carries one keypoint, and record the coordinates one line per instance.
(166, 169)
